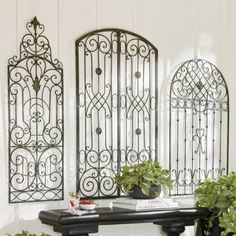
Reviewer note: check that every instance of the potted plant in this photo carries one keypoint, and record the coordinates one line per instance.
(143, 180)
(26, 233)
(219, 196)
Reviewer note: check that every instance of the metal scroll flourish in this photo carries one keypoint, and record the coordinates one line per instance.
(199, 125)
(116, 107)
(35, 98)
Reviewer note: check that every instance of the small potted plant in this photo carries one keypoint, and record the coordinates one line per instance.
(143, 180)
(219, 196)
(26, 233)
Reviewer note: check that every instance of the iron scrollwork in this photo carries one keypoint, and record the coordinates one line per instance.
(116, 107)
(199, 125)
(35, 97)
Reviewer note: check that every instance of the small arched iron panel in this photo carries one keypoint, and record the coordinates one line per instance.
(35, 100)
(116, 107)
(199, 125)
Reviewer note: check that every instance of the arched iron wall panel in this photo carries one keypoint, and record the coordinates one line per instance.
(35, 97)
(116, 107)
(199, 125)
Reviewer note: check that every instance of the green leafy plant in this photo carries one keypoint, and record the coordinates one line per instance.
(219, 196)
(144, 175)
(26, 233)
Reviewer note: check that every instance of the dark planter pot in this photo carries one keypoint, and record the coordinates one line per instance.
(137, 193)
(214, 231)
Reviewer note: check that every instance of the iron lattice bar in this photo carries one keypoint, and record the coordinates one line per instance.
(116, 107)
(35, 98)
(199, 125)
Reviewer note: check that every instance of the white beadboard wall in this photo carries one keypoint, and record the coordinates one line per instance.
(180, 29)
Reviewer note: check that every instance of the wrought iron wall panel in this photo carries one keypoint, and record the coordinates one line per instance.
(199, 125)
(116, 107)
(35, 120)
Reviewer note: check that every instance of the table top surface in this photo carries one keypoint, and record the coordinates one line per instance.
(106, 215)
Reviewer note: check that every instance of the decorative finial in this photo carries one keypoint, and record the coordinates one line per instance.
(35, 22)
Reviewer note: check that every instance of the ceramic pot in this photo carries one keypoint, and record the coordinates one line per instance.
(137, 193)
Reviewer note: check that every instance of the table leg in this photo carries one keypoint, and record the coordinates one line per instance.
(173, 230)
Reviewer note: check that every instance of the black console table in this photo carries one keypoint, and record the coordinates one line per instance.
(173, 221)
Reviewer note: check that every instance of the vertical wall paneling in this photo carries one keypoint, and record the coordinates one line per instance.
(174, 27)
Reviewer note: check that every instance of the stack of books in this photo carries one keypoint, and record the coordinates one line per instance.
(144, 204)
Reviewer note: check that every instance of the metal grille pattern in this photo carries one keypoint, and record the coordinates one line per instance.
(199, 123)
(35, 120)
(116, 107)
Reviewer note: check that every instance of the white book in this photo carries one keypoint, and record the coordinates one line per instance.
(158, 200)
(157, 205)
(134, 204)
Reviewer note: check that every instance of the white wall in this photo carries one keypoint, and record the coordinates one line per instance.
(180, 29)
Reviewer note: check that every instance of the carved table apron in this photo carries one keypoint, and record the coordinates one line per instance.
(173, 221)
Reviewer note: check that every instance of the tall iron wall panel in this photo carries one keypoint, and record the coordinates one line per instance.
(116, 107)
(35, 98)
(199, 125)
